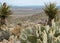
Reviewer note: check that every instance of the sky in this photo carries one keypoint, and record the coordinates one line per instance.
(29, 2)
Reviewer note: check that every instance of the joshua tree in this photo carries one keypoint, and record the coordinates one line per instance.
(51, 11)
(4, 13)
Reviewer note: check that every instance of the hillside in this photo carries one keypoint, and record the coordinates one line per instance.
(27, 14)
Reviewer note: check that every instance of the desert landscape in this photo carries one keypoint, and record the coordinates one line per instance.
(29, 24)
(32, 14)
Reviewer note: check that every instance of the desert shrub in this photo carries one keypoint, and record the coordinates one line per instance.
(4, 35)
(45, 34)
(35, 33)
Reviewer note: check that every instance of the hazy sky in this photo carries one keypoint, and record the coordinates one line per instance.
(29, 2)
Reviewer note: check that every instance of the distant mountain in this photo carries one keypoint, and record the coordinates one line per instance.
(25, 13)
(26, 10)
(27, 7)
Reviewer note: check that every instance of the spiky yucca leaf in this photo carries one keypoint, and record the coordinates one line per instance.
(51, 11)
(5, 11)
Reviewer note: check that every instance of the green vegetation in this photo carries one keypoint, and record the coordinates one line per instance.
(51, 11)
(4, 13)
(40, 34)
(30, 32)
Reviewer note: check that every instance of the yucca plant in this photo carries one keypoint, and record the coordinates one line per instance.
(4, 13)
(51, 11)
